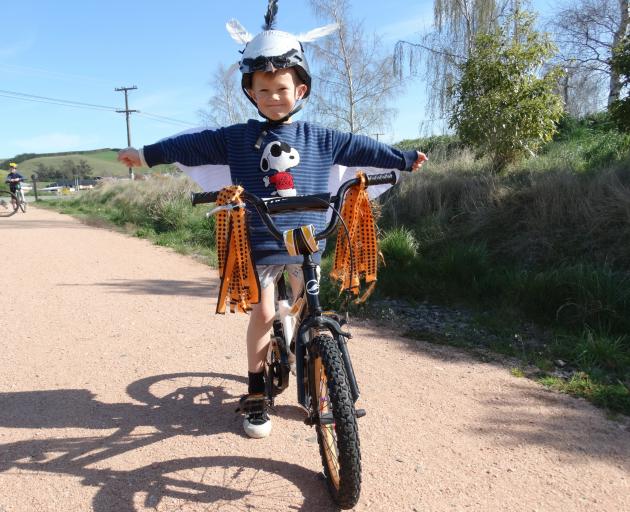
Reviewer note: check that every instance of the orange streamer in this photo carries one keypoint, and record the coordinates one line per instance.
(357, 214)
(240, 287)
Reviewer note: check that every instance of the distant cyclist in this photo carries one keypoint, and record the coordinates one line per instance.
(14, 179)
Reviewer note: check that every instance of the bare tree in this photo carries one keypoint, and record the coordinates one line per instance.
(228, 104)
(353, 83)
(439, 54)
(586, 32)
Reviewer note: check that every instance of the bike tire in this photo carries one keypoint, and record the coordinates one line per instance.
(338, 439)
(21, 203)
(6, 207)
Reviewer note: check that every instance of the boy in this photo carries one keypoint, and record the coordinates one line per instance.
(14, 179)
(276, 157)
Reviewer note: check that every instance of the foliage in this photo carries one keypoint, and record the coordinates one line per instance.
(67, 170)
(440, 52)
(620, 109)
(501, 106)
(158, 209)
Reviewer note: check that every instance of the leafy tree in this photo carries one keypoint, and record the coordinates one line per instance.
(620, 62)
(440, 53)
(502, 106)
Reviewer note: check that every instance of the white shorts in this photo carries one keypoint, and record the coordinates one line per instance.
(267, 274)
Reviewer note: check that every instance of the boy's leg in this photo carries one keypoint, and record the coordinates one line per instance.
(260, 324)
(257, 423)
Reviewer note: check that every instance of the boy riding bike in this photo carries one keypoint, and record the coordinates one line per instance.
(275, 157)
(14, 179)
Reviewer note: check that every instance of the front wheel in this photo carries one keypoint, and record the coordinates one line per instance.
(336, 423)
(7, 200)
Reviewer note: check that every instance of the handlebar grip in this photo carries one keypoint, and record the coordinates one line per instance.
(381, 179)
(203, 197)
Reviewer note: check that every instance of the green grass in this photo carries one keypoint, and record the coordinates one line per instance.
(102, 162)
(545, 242)
(158, 209)
(614, 397)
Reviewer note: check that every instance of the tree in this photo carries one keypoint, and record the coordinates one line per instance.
(501, 105)
(228, 104)
(620, 63)
(587, 31)
(441, 53)
(353, 83)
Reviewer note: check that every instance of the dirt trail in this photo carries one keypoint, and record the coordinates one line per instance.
(119, 386)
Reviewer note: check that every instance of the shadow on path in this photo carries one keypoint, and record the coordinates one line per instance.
(198, 288)
(194, 404)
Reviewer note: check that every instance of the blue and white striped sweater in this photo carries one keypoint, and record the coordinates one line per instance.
(319, 149)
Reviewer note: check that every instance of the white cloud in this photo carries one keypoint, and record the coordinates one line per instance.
(54, 143)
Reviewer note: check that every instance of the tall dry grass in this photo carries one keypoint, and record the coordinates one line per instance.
(532, 218)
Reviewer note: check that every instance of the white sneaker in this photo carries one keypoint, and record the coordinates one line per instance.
(257, 423)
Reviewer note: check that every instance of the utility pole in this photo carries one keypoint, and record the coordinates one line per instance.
(377, 134)
(127, 112)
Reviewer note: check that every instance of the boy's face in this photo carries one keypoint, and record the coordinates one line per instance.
(276, 92)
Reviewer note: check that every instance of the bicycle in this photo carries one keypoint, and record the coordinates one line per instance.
(327, 388)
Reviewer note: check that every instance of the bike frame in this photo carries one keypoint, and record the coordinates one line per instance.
(314, 319)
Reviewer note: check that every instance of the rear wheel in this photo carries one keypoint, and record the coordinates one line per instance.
(337, 431)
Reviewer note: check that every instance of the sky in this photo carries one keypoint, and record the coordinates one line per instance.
(81, 51)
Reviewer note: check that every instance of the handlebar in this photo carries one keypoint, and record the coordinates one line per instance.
(315, 202)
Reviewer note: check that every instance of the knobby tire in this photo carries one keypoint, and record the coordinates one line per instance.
(338, 442)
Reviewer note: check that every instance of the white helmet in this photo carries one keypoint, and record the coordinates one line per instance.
(271, 50)
(274, 49)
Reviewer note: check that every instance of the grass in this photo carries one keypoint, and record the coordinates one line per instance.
(102, 163)
(545, 242)
(158, 209)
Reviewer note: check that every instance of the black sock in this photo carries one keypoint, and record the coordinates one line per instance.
(256, 383)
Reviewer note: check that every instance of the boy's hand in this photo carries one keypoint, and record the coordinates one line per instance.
(129, 157)
(419, 161)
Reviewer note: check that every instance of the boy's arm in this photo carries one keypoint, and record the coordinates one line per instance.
(191, 149)
(358, 150)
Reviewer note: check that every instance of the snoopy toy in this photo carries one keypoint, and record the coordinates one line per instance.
(279, 157)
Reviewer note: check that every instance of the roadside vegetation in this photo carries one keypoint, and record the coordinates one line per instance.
(544, 242)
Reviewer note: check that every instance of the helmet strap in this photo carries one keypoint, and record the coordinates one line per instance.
(272, 122)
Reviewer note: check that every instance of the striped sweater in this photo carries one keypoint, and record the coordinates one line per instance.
(293, 159)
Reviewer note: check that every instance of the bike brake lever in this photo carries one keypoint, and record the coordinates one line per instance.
(230, 206)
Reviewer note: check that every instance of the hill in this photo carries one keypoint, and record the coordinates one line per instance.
(102, 162)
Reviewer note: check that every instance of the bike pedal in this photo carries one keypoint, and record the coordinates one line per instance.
(359, 413)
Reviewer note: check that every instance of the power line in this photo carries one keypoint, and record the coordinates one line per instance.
(57, 101)
(88, 106)
(165, 119)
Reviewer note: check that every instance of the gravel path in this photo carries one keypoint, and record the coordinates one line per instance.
(119, 386)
